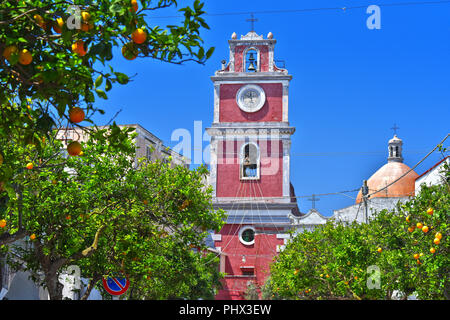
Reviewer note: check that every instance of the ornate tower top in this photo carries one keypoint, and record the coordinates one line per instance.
(251, 55)
(395, 149)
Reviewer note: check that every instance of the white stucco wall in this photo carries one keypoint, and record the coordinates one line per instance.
(432, 177)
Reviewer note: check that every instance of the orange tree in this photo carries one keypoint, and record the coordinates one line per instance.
(100, 212)
(55, 62)
(327, 263)
(426, 225)
(408, 246)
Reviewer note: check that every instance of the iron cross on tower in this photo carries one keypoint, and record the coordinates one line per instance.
(252, 20)
(395, 128)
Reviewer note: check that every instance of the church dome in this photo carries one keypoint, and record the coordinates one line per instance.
(391, 171)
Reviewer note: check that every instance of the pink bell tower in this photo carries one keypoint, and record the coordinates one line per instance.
(250, 162)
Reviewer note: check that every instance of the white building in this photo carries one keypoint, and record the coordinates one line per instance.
(432, 176)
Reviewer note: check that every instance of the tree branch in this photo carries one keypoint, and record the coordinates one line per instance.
(91, 286)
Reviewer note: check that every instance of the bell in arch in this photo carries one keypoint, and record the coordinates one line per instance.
(251, 62)
(251, 67)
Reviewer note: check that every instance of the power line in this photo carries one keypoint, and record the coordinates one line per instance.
(328, 154)
(403, 175)
(396, 4)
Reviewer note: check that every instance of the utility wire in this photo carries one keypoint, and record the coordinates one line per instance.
(403, 175)
(396, 4)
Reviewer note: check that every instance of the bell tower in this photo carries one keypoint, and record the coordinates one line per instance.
(250, 161)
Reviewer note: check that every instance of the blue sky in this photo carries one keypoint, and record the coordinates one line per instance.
(350, 85)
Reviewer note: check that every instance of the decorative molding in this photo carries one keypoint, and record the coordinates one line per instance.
(266, 132)
(231, 204)
(252, 35)
(249, 77)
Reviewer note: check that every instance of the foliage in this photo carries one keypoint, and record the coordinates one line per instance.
(334, 260)
(107, 216)
(60, 72)
(65, 77)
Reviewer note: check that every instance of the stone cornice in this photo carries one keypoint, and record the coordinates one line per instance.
(250, 76)
(245, 131)
(253, 205)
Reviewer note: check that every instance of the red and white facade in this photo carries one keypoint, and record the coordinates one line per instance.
(250, 162)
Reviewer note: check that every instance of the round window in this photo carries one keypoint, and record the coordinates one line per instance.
(247, 235)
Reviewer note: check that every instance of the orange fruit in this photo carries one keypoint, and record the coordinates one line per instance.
(432, 250)
(85, 16)
(416, 256)
(425, 229)
(74, 148)
(32, 237)
(419, 225)
(8, 51)
(129, 51)
(410, 229)
(85, 27)
(25, 57)
(295, 271)
(379, 250)
(78, 47)
(430, 211)
(58, 25)
(407, 218)
(68, 217)
(134, 5)
(30, 165)
(39, 20)
(438, 235)
(139, 36)
(418, 261)
(2, 223)
(436, 241)
(76, 114)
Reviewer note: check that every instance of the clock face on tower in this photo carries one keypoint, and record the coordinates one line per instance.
(250, 98)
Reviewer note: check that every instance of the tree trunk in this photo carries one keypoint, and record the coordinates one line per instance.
(54, 287)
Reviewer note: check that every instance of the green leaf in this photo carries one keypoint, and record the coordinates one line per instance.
(108, 85)
(101, 94)
(209, 52)
(121, 78)
(99, 81)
